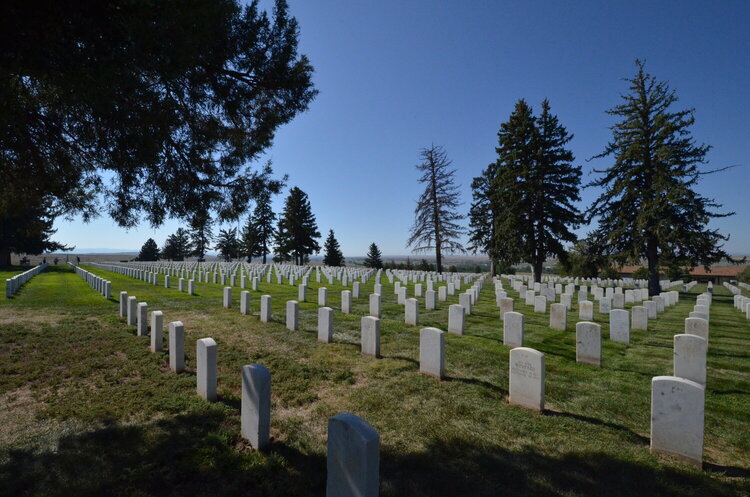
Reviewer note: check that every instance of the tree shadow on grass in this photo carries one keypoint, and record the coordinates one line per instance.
(457, 468)
(185, 455)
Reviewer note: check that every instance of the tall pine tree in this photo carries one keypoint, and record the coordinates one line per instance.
(177, 247)
(201, 233)
(149, 251)
(374, 258)
(332, 251)
(649, 208)
(297, 232)
(436, 216)
(534, 188)
(264, 220)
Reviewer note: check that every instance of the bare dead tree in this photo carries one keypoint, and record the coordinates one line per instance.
(436, 215)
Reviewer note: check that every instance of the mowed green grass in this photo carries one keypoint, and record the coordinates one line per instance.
(89, 410)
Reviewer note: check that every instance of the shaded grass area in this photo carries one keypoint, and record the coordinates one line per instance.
(107, 416)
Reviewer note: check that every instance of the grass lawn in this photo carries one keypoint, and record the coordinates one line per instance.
(86, 409)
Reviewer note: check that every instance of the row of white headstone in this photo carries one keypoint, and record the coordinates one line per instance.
(102, 286)
(353, 445)
(13, 284)
(743, 304)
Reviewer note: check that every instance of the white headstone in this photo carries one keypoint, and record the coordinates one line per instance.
(526, 382)
(690, 357)
(292, 315)
(558, 317)
(619, 325)
(325, 324)
(677, 418)
(370, 336)
(157, 329)
(176, 346)
(513, 329)
(432, 352)
(456, 318)
(589, 343)
(256, 405)
(353, 458)
(205, 360)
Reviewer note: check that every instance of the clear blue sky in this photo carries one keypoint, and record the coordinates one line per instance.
(396, 76)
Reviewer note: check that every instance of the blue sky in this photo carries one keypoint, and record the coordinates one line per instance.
(397, 76)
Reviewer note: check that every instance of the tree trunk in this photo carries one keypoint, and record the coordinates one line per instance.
(4, 257)
(439, 259)
(654, 288)
(538, 266)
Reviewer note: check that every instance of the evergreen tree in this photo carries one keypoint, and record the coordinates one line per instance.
(26, 229)
(227, 243)
(374, 258)
(435, 217)
(297, 232)
(649, 208)
(482, 218)
(177, 247)
(424, 265)
(201, 233)
(157, 108)
(264, 220)
(534, 188)
(332, 251)
(149, 251)
(249, 240)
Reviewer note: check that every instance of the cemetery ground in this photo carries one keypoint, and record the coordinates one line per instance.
(87, 409)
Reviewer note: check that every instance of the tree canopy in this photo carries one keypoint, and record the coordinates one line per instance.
(374, 258)
(648, 207)
(532, 190)
(149, 251)
(436, 215)
(297, 233)
(177, 246)
(332, 255)
(144, 110)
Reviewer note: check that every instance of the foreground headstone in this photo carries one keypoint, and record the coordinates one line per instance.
(244, 302)
(506, 305)
(432, 352)
(353, 458)
(375, 305)
(157, 329)
(346, 301)
(513, 329)
(558, 317)
(322, 297)
(456, 319)
(650, 306)
(677, 418)
(526, 382)
(205, 361)
(227, 297)
(540, 304)
(697, 326)
(639, 318)
(256, 405)
(605, 305)
(132, 311)
(370, 336)
(429, 300)
(191, 287)
(142, 325)
(585, 310)
(690, 357)
(265, 308)
(292, 315)
(123, 304)
(325, 324)
(176, 346)
(589, 343)
(619, 326)
(465, 300)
